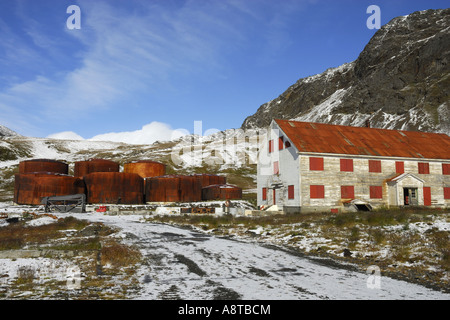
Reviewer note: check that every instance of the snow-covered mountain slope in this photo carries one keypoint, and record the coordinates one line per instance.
(232, 153)
(6, 132)
(401, 80)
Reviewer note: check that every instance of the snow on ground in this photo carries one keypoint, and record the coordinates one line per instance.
(182, 263)
(247, 269)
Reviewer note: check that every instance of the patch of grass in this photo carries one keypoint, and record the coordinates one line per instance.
(79, 244)
(25, 278)
(440, 241)
(119, 255)
(402, 244)
(343, 220)
(445, 259)
(377, 235)
(17, 235)
(7, 154)
(354, 234)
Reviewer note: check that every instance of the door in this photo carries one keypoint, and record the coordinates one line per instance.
(410, 197)
(426, 196)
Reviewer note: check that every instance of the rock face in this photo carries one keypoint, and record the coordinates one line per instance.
(401, 80)
(6, 132)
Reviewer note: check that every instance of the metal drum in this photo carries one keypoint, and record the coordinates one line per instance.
(43, 165)
(145, 168)
(83, 168)
(114, 188)
(30, 188)
(210, 179)
(173, 188)
(221, 192)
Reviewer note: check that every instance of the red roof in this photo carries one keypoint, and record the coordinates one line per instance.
(328, 138)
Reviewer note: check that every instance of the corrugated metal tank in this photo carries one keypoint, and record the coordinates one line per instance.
(30, 188)
(43, 165)
(83, 168)
(114, 188)
(210, 179)
(221, 192)
(145, 168)
(173, 188)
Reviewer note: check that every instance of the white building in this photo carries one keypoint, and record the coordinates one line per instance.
(321, 167)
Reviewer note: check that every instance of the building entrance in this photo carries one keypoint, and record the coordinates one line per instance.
(410, 197)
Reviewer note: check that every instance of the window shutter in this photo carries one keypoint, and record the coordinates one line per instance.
(280, 143)
(445, 168)
(376, 192)
(276, 168)
(347, 192)
(291, 192)
(374, 166)
(315, 164)
(399, 167)
(317, 192)
(424, 168)
(426, 196)
(446, 193)
(347, 165)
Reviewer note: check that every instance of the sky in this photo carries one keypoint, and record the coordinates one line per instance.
(138, 71)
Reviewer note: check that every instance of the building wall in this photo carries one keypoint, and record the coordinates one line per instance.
(288, 173)
(376, 188)
(362, 180)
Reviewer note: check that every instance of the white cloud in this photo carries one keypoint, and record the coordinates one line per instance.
(66, 135)
(154, 131)
(134, 54)
(148, 134)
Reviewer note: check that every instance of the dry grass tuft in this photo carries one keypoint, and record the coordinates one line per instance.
(119, 255)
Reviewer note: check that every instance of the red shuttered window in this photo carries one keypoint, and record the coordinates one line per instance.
(315, 164)
(264, 194)
(445, 168)
(399, 167)
(446, 193)
(280, 143)
(317, 192)
(426, 196)
(347, 192)
(347, 165)
(376, 192)
(374, 166)
(276, 168)
(271, 146)
(291, 192)
(424, 168)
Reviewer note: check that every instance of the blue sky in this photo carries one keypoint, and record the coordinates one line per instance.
(158, 65)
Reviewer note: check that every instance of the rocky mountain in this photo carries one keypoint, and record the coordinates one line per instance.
(6, 132)
(401, 80)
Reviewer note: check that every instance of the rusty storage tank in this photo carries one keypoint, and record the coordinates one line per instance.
(210, 179)
(173, 188)
(145, 168)
(43, 165)
(114, 188)
(30, 188)
(221, 192)
(83, 168)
